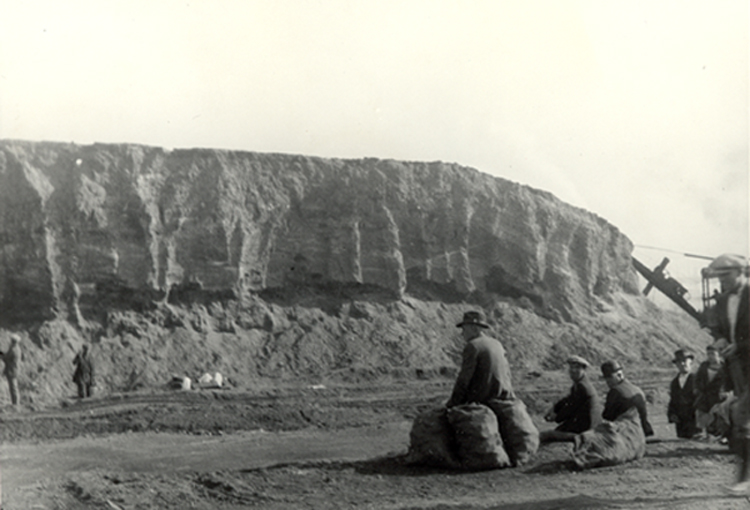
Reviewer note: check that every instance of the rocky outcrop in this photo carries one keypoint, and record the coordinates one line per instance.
(84, 228)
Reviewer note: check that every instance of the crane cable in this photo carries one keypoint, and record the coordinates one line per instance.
(691, 255)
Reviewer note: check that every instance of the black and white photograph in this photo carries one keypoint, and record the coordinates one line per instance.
(374, 254)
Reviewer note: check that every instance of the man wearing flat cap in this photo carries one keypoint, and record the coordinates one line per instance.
(622, 396)
(682, 396)
(579, 411)
(485, 372)
(733, 342)
(732, 332)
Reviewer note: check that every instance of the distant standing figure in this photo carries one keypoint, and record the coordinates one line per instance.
(622, 396)
(709, 386)
(682, 394)
(485, 372)
(84, 372)
(10, 358)
(577, 412)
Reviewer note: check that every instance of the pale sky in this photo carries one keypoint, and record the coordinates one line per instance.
(634, 110)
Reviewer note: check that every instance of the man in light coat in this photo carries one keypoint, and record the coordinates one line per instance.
(11, 358)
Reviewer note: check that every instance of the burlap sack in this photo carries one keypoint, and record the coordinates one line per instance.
(520, 435)
(431, 441)
(478, 441)
(611, 442)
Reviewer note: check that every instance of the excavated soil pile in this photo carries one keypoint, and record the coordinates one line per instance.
(270, 267)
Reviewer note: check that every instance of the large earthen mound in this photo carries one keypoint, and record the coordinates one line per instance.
(271, 266)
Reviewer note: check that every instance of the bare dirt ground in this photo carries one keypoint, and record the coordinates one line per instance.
(304, 446)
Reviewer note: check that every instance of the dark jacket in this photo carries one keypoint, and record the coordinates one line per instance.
(580, 410)
(681, 407)
(621, 398)
(484, 374)
(84, 372)
(741, 357)
(708, 392)
(742, 327)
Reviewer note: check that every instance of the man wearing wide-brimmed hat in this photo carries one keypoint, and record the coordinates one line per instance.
(682, 396)
(484, 373)
(577, 412)
(733, 342)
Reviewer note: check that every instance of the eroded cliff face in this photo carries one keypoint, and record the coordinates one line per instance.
(270, 267)
(86, 227)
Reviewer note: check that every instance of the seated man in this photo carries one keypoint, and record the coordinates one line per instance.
(577, 412)
(622, 396)
(485, 372)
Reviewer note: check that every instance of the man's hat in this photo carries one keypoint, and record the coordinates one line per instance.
(726, 262)
(577, 360)
(473, 319)
(610, 367)
(681, 355)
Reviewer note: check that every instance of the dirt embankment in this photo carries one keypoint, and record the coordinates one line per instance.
(323, 339)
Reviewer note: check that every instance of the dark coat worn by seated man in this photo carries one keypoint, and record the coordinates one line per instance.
(485, 372)
(622, 396)
(580, 410)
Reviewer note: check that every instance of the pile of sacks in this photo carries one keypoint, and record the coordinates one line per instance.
(206, 381)
(474, 436)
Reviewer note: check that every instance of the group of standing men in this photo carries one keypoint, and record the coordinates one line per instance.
(693, 395)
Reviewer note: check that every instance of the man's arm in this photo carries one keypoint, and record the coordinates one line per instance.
(640, 404)
(468, 364)
(672, 414)
(593, 406)
(611, 406)
(700, 380)
(565, 408)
